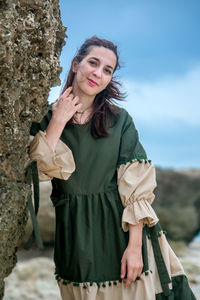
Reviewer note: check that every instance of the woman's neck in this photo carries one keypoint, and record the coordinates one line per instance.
(86, 100)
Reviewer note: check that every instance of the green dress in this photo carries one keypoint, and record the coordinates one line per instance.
(89, 239)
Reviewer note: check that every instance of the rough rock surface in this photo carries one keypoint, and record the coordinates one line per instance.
(31, 39)
(177, 203)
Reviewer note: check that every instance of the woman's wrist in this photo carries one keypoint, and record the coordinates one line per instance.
(57, 121)
(134, 245)
(53, 132)
(135, 235)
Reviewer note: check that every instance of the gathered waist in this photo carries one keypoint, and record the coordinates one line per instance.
(59, 199)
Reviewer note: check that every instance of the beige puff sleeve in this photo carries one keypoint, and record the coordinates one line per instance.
(59, 163)
(136, 182)
(136, 178)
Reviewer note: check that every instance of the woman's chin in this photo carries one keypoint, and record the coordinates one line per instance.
(90, 92)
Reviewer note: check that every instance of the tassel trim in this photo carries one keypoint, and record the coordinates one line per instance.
(103, 284)
(158, 234)
(157, 229)
(139, 159)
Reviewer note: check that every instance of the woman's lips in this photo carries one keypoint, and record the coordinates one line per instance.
(91, 82)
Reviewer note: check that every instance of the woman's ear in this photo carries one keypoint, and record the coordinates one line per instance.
(74, 66)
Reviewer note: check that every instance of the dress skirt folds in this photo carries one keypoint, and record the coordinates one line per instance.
(99, 186)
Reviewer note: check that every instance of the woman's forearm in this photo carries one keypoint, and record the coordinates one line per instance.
(135, 234)
(53, 132)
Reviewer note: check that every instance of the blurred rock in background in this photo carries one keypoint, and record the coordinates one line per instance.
(177, 203)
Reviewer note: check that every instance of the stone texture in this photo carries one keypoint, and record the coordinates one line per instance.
(31, 39)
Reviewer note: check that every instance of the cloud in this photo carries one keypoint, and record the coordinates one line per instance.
(172, 97)
(166, 113)
(54, 93)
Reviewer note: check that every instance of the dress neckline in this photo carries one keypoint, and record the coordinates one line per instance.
(77, 124)
(84, 124)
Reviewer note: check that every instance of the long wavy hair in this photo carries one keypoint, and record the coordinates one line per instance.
(105, 107)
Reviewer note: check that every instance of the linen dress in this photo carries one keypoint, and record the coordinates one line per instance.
(98, 187)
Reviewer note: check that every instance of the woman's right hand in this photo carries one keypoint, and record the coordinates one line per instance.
(65, 106)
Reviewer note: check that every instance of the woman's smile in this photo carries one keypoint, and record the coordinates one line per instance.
(92, 82)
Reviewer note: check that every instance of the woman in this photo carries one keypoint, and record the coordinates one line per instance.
(109, 243)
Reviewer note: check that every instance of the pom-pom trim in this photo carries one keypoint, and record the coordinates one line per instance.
(103, 284)
(139, 159)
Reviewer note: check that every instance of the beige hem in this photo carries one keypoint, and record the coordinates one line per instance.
(140, 289)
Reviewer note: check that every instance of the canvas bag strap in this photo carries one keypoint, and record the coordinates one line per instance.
(32, 172)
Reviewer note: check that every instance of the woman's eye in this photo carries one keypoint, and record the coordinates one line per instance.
(92, 62)
(108, 71)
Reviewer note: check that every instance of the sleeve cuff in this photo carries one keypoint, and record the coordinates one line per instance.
(59, 163)
(136, 211)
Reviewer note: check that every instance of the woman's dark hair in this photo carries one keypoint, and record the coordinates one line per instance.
(104, 104)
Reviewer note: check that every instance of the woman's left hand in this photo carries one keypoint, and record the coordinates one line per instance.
(131, 264)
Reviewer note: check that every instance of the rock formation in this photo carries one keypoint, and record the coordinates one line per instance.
(177, 203)
(32, 36)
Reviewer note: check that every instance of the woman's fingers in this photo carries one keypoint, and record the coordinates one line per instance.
(66, 95)
(75, 99)
(64, 100)
(132, 273)
(78, 106)
(67, 91)
(54, 105)
(123, 268)
(69, 96)
(66, 106)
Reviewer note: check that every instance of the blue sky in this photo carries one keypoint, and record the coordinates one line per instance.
(159, 48)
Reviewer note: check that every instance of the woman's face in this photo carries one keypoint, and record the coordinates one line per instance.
(95, 71)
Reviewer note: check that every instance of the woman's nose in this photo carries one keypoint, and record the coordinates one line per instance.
(98, 72)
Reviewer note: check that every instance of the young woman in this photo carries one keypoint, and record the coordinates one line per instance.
(109, 243)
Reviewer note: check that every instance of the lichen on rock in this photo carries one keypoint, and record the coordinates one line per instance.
(31, 40)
